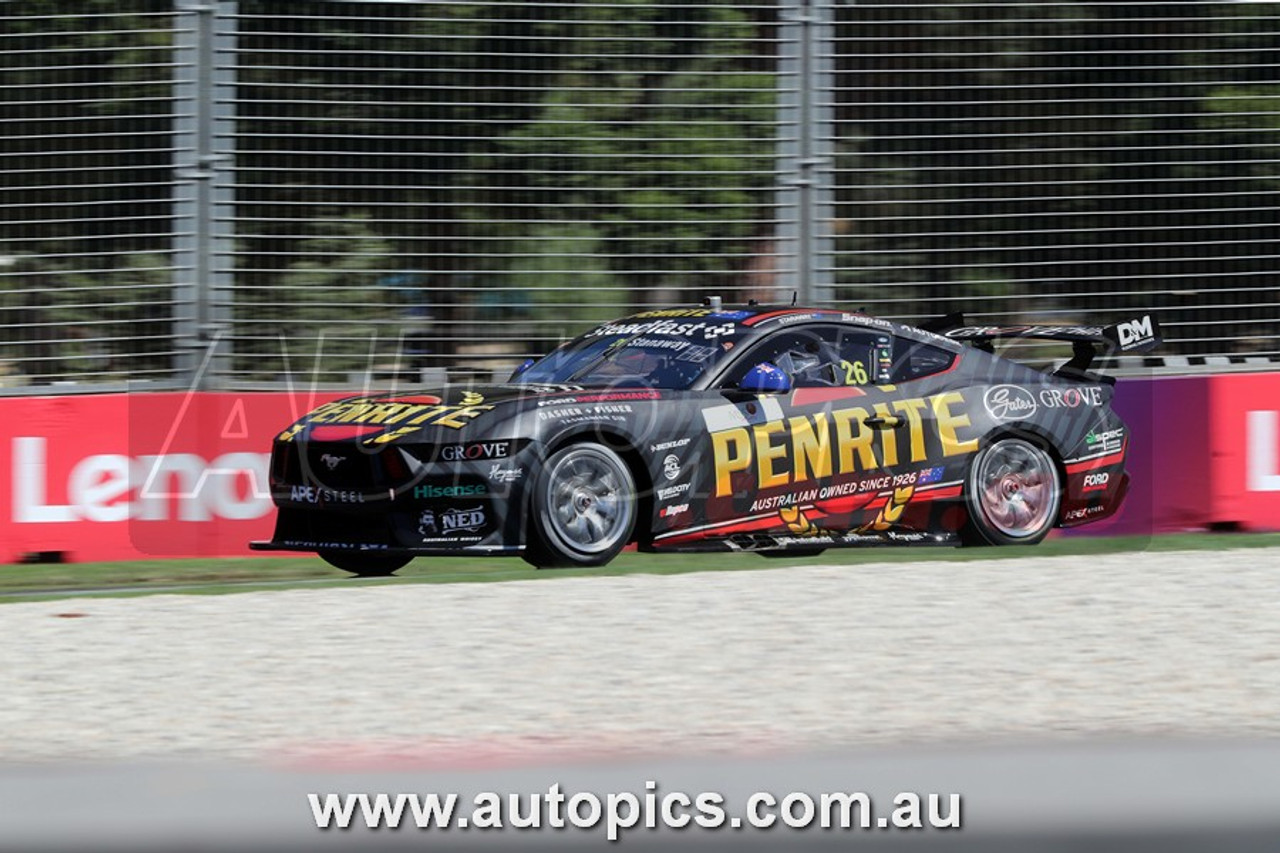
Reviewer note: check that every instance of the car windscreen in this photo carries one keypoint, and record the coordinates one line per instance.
(650, 361)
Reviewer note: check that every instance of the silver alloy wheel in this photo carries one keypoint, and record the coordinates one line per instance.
(1016, 486)
(589, 503)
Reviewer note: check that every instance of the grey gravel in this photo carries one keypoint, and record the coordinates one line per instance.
(784, 658)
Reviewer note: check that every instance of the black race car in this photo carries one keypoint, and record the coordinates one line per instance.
(778, 430)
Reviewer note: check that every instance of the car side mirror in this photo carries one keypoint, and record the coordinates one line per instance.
(765, 378)
(528, 362)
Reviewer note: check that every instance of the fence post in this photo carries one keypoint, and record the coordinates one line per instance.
(203, 201)
(805, 103)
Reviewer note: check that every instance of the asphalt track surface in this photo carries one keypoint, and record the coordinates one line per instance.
(1126, 698)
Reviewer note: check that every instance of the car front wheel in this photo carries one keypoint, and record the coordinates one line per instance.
(584, 508)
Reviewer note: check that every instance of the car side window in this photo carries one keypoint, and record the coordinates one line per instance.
(916, 360)
(821, 356)
(810, 356)
(865, 357)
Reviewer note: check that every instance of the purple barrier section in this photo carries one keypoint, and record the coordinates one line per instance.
(1169, 458)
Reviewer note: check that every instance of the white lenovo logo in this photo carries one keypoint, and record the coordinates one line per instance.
(111, 487)
(1262, 446)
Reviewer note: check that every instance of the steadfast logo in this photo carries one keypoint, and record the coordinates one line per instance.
(1262, 444)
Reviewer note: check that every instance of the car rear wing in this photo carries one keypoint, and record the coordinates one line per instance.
(1128, 337)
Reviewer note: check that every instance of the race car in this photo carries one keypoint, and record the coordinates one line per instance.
(775, 430)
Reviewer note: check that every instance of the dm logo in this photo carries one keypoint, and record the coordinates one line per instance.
(1009, 403)
(1135, 332)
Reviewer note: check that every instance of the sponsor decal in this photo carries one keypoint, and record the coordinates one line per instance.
(676, 312)
(477, 451)
(1071, 398)
(673, 510)
(617, 396)
(782, 452)
(430, 492)
(1009, 403)
(580, 414)
(319, 495)
(320, 545)
(1096, 482)
(671, 466)
(332, 462)
(657, 343)
(1083, 512)
(725, 330)
(498, 474)
(427, 523)
(470, 520)
(1135, 333)
(652, 327)
(393, 419)
(729, 315)
(1105, 441)
(668, 492)
(674, 444)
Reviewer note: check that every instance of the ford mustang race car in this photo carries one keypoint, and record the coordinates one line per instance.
(777, 430)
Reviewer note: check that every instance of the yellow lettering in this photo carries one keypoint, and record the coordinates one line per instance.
(811, 447)
(767, 453)
(731, 450)
(915, 425)
(468, 412)
(848, 442)
(948, 422)
(427, 413)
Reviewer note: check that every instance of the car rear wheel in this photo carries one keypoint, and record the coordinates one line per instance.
(584, 508)
(1013, 493)
(365, 564)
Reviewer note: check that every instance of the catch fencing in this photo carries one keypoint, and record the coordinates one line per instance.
(255, 194)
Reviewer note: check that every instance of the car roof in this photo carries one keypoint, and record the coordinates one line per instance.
(766, 318)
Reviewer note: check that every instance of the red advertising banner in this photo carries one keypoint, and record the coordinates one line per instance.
(131, 476)
(1245, 450)
(117, 476)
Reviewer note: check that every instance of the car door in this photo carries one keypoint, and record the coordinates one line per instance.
(809, 462)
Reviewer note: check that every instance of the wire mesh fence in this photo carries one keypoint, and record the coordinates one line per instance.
(248, 193)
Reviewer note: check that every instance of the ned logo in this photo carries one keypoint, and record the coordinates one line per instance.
(1135, 332)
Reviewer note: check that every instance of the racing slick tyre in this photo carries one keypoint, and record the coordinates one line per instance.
(584, 508)
(1012, 493)
(364, 564)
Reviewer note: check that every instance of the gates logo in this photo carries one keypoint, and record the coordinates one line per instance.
(1009, 403)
